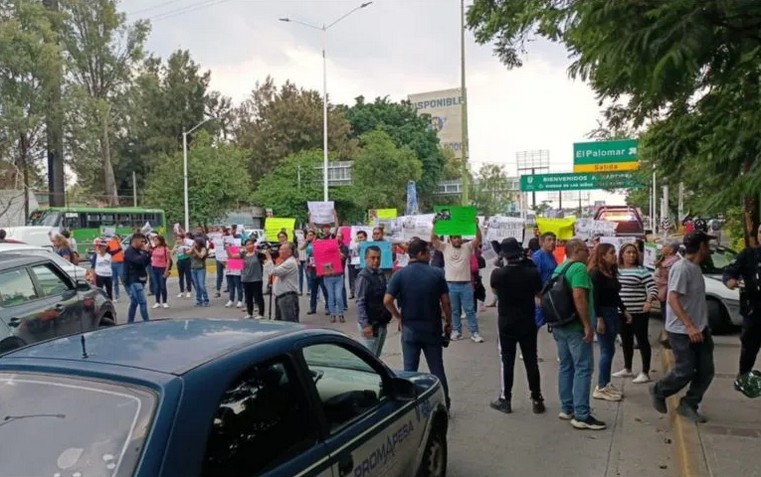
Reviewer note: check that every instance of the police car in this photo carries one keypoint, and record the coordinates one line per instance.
(216, 398)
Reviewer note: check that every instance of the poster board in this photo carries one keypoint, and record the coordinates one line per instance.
(588, 228)
(327, 257)
(562, 228)
(273, 226)
(321, 213)
(500, 228)
(455, 220)
(651, 252)
(387, 259)
(420, 226)
(377, 217)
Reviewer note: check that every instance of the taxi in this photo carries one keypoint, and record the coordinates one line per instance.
(212, 398)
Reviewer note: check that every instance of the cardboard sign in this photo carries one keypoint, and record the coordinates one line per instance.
(273, 226)
(220, 253)
(234, 263)
(327, 257)
(651, 252)
(321, 213)
(500, 228)
(455, 220)
(387, 258)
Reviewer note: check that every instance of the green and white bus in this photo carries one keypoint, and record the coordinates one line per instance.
(88, 223)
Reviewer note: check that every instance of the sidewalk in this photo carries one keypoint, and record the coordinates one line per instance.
(728, 444)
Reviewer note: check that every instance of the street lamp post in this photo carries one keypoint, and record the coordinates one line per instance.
(185, 169)
(324, 28)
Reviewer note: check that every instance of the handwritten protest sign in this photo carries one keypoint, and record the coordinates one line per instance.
(651, 252)
(273, 226)
(387, 259)
(327, 257)
(321, 212)
(588, 228)
(455, 220)
(500, 228)
(411, 226)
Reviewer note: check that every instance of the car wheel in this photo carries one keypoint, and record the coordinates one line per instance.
(9, 344)
(106, 322)
(718, 320)
(434, 462)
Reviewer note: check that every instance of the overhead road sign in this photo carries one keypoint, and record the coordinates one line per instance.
(605, 156)
(578, 181)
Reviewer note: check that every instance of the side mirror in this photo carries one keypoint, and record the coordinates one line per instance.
(83, 285)
(403, 390)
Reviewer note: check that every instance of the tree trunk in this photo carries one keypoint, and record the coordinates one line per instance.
(24, 166)
(112, 195)
(750, 214)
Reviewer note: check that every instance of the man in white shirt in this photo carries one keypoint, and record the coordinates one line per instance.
(286, 288)
(457, 257)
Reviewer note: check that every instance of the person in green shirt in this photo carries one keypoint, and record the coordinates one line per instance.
(574, 342)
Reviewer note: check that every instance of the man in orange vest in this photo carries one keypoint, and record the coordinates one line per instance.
(114, 248)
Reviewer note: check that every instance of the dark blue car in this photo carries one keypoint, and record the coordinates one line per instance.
(215, 398)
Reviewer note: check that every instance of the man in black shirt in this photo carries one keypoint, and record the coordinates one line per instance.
(423, 295)
(372, 315)
(136, 259)
(516, 285)
(747, 267)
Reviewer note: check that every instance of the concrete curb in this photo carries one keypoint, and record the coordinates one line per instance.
(688, 448)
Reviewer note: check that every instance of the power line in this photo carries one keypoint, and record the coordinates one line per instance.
(187, 9)
(155, 7)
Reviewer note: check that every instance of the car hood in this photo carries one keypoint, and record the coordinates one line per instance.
(715, 286)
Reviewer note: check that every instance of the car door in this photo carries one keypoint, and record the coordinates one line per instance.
(69, 310)
(22, 310)
(368, 433)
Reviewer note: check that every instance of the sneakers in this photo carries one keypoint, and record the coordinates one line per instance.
(476, 338)
(157, 305)
(641, 378)
(455, 336)
(187, 295)
(501, 405)
(606, 394)
(624, 373)
(565, 416)
(239, 305)
(248, 317)
(258, 317)
(590, 423)
(229, 304)
(659, 403)
(690, 413)
(165, 305)
(537, 405)
(181, 295)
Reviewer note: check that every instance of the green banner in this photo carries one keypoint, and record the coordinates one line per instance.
(578, 181)
(455, 220)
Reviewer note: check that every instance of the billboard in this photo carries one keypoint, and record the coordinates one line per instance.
(445, 109)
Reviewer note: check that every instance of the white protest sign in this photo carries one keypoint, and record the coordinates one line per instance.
(489, 254)
(363, 228)
(420, 226)
(219, 248)
(321, 212)
(500, 228)
(588, 228)
(651, 252)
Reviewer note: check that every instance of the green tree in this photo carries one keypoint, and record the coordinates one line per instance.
(103, 50)
(689, 70)
(381, 171)
(215, 183)
(492, 192)
(402, 123)
(274, 123)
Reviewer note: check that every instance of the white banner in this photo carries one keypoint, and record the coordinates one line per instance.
(500, 228)
(321, 212)
(588, 228)
(420, 226)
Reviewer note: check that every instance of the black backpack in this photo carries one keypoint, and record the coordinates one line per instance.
(557, 300)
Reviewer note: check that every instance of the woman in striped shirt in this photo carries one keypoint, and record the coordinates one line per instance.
(638, 292)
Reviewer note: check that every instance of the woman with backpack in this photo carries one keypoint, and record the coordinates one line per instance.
(605, 320)
(161, 264)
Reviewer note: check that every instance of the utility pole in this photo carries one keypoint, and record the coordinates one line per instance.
(54, 120)
(464, 106)
(134, 189)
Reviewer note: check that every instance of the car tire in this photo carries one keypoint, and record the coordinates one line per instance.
(106, 322)
(718, 320)
(11, 343)
(434, 463)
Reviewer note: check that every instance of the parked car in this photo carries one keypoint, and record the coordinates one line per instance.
(76, 272)
(39, 301)
(217, 398)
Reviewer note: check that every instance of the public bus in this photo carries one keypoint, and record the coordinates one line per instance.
(88, 223)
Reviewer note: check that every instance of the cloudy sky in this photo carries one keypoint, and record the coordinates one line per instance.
(391, 48)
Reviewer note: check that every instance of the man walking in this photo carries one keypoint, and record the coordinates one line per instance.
(422, 293)
(517, 285)
(457, 257)
(286, 288)
(747, 267)
(689, 335)
(574, 341)
(136, 260)
(372, 315)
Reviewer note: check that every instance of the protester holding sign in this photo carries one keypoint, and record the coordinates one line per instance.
(328, 260)
(354, 262)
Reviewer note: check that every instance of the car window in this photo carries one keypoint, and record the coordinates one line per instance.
(16, 287)
(45, 428)
(347, 385)
(262, 421)
(718, 260)
(51, 282)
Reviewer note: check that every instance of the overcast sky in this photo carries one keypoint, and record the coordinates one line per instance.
(391, 48)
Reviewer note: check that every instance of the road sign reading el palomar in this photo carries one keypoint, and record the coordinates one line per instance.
(574, 181)
(605, 156)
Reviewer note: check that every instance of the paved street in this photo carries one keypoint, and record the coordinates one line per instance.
(484, 442)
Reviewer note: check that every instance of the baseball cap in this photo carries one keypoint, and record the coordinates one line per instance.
(694, 239)
(510, 248)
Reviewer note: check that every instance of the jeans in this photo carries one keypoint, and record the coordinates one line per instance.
(117, 271)
(343, 295)
(374, 344)
(693, 365)
(199, 280)
(750, 341)
(638, 328)
(220, 274)
(186, 278)
(315, 283)
(151, 285)
(575, 375)
(461, 295)
(137, 298)
(106, 283)
(254, 292)
(510, 337)
(302, 272)
(413, 342)
(159, 284)
(335, 286)
(234, 285)
(607, 342)
(353, 273)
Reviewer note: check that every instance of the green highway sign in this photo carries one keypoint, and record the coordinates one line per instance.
(605, 156)
(578, 181)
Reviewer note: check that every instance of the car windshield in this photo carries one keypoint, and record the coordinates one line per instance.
(59, 426)
(719, 260)
(47, 218)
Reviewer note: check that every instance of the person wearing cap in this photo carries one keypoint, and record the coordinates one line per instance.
(747, 267)
(101, 264)
(688, 332)
(517, 285)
